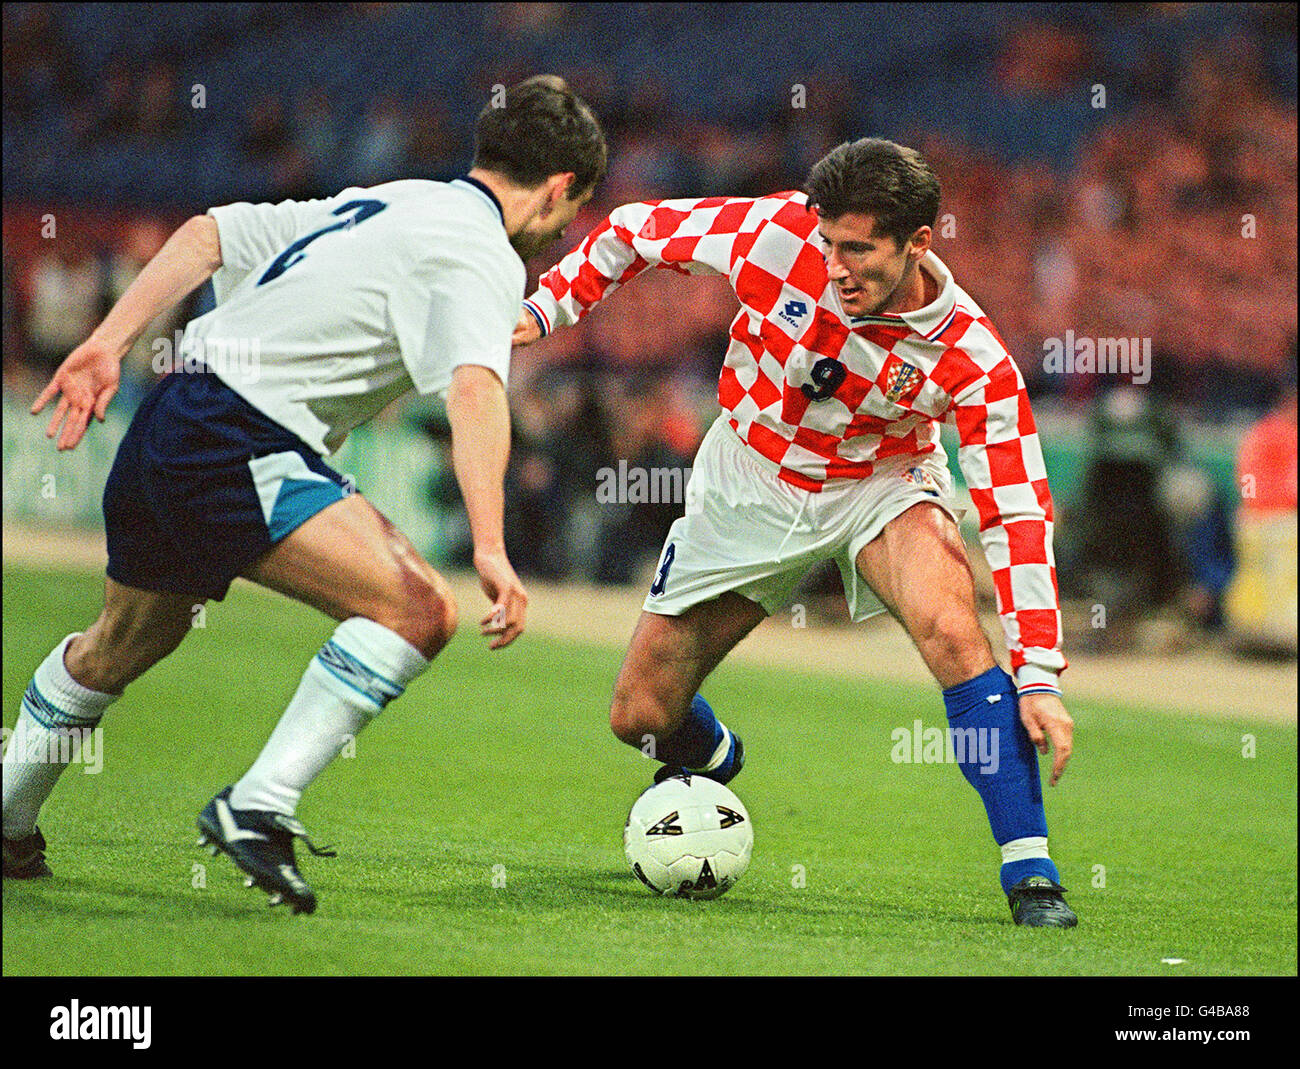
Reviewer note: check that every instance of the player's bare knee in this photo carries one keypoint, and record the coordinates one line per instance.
(626, 715)
(428, 616)
(953, 645)
(635, 713)
(621, 721)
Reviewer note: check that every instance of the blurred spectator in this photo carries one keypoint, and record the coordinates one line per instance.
(433, 149)
(316, 132)
(1041, 58)
(270, 143)
(1266, 458)
(647, 470)
(116, 109)
(266, 133)
(65, 300)
(159, 111)
(1261, 602)
(1117, 539)
(40, 67)
(380, 148)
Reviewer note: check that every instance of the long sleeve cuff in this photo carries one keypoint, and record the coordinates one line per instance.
(1036, 679)
(545, 309)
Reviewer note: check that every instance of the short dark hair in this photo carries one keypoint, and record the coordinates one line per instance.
(538, 128)
(876, 177)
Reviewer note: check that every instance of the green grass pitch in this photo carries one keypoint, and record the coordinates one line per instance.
(479, 827)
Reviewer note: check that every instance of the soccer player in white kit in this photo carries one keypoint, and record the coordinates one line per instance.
(325, 312)
(852, 342)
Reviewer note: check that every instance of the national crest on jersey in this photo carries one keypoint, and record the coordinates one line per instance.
(902, 380)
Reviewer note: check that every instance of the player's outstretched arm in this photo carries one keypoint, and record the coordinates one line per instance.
(88, 379)
(480, 447)
(691, 236)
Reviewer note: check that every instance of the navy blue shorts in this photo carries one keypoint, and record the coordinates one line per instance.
(203, 485)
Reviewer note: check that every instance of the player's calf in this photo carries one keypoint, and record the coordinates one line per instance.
(135, 630)
(363, 667)
(72, 689)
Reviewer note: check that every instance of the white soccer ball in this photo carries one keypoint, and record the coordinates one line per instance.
(688, 836)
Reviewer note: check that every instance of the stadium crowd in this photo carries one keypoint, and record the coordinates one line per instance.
(1168, 213)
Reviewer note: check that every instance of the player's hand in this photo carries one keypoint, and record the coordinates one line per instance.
(1046, 720)
(505, 619)
(527, 330)
(88, 380)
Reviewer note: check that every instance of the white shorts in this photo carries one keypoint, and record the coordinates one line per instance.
(748, 531)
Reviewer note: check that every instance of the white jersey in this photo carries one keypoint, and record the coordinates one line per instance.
(327, 310)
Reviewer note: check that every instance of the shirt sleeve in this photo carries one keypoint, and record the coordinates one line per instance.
(691, 236)
(455, 309)
(252, 234)
(1002, 461)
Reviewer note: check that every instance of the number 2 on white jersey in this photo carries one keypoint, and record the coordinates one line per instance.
(364, 210)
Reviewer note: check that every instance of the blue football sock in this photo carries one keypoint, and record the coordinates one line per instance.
(998, 760)
(696, 743)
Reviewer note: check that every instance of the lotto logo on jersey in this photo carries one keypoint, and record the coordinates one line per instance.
(793, 312)
(902, 381)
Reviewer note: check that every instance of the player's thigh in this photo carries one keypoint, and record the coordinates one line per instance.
(669, 657)
(350, 560)
(134, 631)
(918, 567)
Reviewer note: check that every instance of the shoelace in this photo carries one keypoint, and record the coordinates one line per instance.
(295, 828)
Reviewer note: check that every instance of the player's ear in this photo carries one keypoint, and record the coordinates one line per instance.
(560, 184)
(920, 241)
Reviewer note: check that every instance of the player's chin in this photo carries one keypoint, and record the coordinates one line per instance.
(854, 301)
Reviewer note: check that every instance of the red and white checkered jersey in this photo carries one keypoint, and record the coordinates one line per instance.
(903, 373)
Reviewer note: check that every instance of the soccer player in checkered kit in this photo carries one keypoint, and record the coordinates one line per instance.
(354, 301)
(852, 342)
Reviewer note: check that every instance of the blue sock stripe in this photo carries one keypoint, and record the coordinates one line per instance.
(49, 715)
(357, 675)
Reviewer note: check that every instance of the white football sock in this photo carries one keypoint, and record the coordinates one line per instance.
(56, 714)
(355, 674)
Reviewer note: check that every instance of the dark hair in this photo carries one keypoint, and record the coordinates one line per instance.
(538, 128)
(875, 177)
